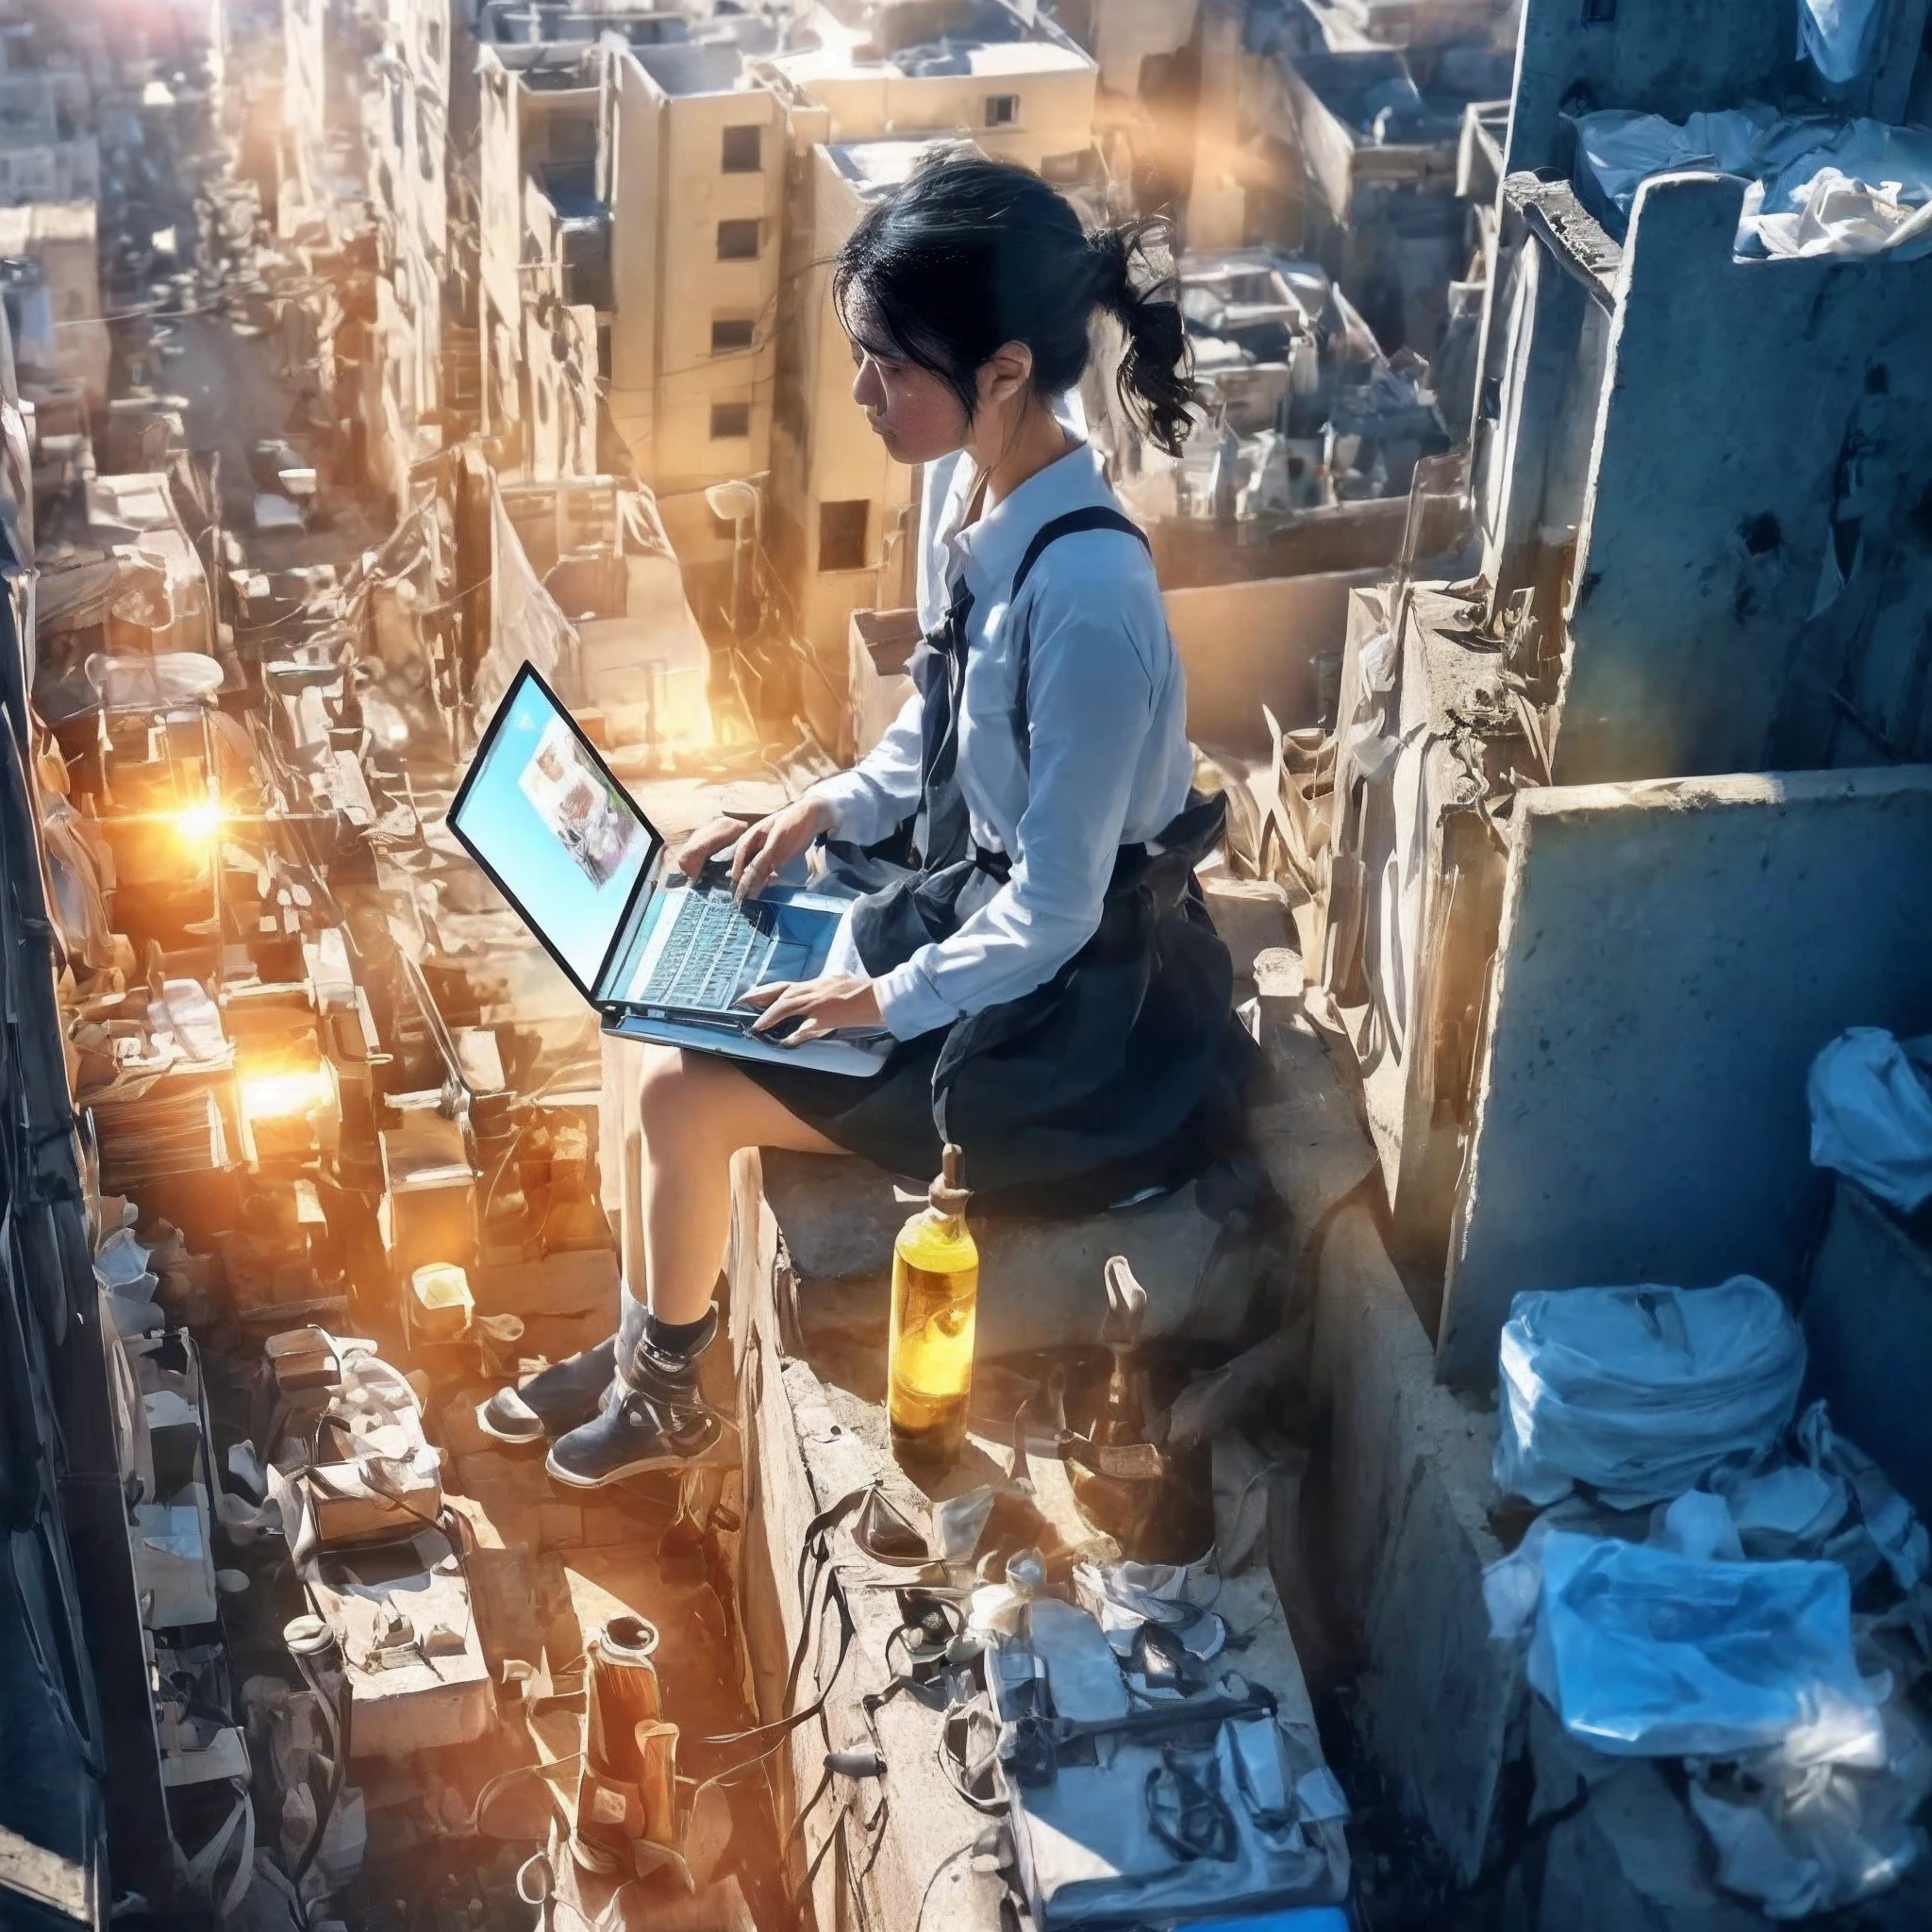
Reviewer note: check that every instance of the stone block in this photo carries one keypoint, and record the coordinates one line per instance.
(1306, 1129)
(572, 1281)
(1407, 1494)
(1672, 954)
(1040, 1286)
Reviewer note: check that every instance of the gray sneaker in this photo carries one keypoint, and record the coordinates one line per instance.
(553, 1403)
(654, 1417)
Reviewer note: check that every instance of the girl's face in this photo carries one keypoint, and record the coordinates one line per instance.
(911, 412)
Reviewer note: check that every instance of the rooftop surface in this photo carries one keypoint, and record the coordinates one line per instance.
(874, 166)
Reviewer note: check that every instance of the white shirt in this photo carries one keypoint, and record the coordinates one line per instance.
(1107, 711)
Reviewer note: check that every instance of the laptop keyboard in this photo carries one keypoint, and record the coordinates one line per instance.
(707, 953)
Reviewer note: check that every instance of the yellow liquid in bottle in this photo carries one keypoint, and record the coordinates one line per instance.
(935, 1300)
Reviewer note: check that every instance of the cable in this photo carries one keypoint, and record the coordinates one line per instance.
(925, 1897)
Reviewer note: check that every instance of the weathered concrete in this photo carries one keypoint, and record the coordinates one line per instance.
(1195, 1252)
(1868, 1318)
(812, 1438)
(1711, 629)
(1404, 1466)
(1672, 957)
(1674, 56)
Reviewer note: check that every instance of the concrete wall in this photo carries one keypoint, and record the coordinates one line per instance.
(1868, 1320)
(695, 197)
(1763, 424)
(1248, 644)
(1672, 955)
(1401, 1497)
(1055, 117)
(669, 192)
(1673, 57)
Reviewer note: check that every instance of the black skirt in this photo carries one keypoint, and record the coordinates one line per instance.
(1124, 1072)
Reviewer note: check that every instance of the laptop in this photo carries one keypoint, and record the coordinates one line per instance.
(662, 957)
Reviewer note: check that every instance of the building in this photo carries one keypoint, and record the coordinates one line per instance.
(60, 343)
(537, 122)
(407, 142)
(694, 167)
(1013, 82)
(841, 516)
(49, 147)
(1637, 606)
(1376, 130)
(1306, 437)
(862, 106)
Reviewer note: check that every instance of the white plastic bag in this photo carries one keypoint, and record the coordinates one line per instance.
(1643, 1393)
(1622, 150)
(1644, 1653)
(1871, 1117)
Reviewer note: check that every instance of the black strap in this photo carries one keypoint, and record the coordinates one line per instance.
(1095, 516)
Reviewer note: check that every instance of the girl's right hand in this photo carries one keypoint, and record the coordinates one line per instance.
(763, 849)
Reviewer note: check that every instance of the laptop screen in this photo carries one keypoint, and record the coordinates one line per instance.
(553, 828)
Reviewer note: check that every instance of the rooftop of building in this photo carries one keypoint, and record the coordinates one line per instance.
(928, 38)
(1392, 97)
(713, 64)
(510, 23)
(24, 228)
(875, 167)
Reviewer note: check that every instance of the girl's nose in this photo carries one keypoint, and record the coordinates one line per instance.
(867, 390)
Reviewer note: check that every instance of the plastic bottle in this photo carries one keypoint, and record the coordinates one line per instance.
(935, 1300)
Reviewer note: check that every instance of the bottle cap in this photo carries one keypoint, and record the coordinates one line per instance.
(947, 1194)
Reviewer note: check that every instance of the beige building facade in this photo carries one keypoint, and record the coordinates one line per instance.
(696, 177)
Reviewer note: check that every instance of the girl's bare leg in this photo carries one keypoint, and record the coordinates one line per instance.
(621, 1408)
(694, 1112)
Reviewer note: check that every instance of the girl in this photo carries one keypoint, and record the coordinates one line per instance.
(1025, 834)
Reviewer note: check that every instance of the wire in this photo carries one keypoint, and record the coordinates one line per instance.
(964, 1851)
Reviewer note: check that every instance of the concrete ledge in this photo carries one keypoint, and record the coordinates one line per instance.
(1195, 1252)
(1408, 1491)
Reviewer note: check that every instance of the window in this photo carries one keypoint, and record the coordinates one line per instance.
(1003, 110)
(738, 240)
(604, 350)
(842, 535)
(730, 333)
(745, 151)
(729, 420)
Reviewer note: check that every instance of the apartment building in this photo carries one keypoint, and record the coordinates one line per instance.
(48, 148)
(1009, 79)
(842, 515)
(328, 46)
(877, 93)
(695, 161)
(406, 139)
(537, 146)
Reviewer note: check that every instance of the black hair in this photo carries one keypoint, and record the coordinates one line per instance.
(970, 253)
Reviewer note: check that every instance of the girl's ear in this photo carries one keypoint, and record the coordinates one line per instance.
(1007, 373)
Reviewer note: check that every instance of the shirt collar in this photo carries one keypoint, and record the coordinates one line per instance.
(991, 550)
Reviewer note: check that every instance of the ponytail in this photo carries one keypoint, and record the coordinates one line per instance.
(970, 253)
(1154, 378)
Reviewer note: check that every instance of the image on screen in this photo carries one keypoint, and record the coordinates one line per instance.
(565, 841)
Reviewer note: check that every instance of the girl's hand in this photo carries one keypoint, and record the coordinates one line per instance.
(763, 849)
(822, 1005)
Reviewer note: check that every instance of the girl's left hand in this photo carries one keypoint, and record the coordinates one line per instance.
(818, 1006)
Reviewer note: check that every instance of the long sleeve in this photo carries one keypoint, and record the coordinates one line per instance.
(1090, 701)
(882, 790)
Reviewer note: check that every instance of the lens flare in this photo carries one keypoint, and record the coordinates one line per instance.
(199, 823)
(279, 1096)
